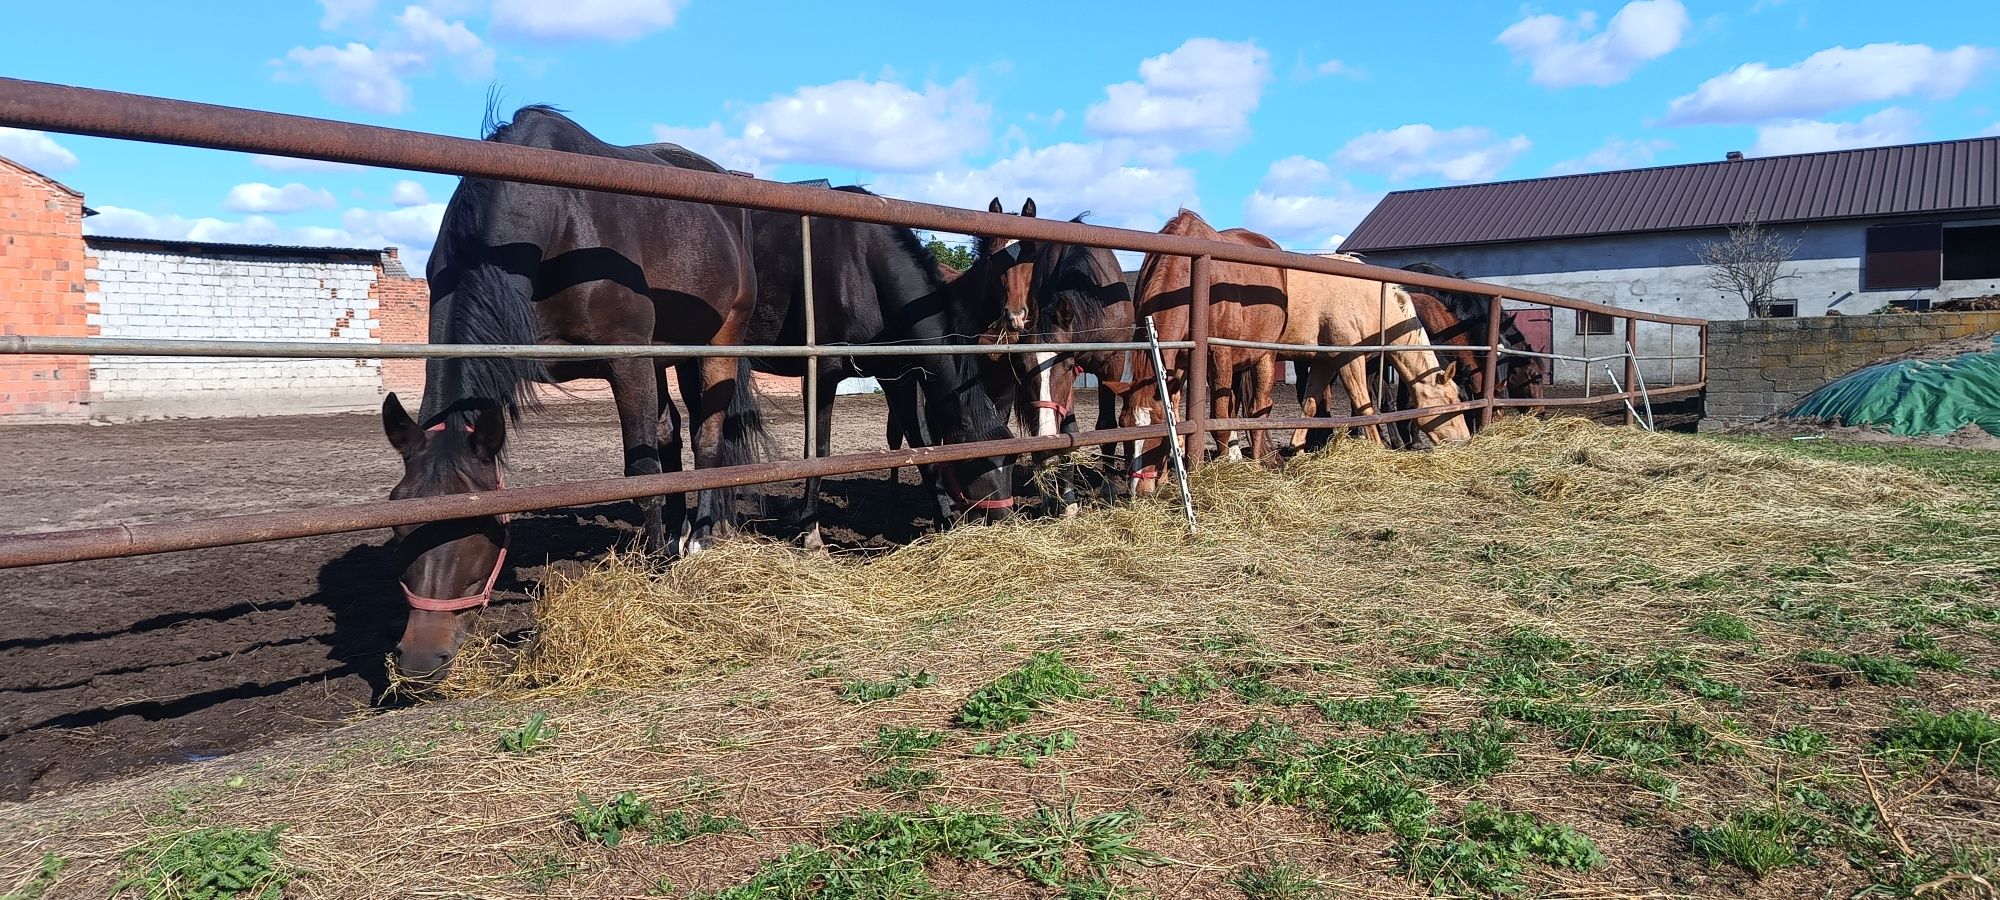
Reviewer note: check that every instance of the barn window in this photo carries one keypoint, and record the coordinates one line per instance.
(1972, 252)
(1781, 309)
(1592, 322)
(1903, 257)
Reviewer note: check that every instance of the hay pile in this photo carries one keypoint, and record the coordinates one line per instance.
(1560, 494)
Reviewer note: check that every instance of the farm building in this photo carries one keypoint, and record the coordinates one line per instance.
(58, 281)
(1904, 226)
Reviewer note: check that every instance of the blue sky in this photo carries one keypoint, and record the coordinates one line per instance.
(1288, 118)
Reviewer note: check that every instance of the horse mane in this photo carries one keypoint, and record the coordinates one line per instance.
(1189, 222)
(681, 157)
(495, 130)
(906, 241)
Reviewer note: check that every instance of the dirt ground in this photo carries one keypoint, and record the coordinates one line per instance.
(116, 666)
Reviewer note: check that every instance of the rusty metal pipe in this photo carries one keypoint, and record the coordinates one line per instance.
(74, 110)
(73, 346)
(138, 540)
(1493, 350)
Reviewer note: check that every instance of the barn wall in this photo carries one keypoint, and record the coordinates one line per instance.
(403, 314)
(44, 290)
(1760, 366)
(173, 292)
(1659, 273)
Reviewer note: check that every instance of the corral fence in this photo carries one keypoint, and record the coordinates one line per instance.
(72, 110)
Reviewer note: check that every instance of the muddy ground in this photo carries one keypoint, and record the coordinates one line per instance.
(115, 666)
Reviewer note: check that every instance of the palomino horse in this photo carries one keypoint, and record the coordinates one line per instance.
(878, 284)
(1060, 293)
(1245, 303)
(1520, 376)
(1338, 310)
(527, 264)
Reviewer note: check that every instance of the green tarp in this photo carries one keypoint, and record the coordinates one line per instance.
(1913, 396)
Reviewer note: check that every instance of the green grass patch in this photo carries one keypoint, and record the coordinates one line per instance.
(531, 736)
(1802, 741)
(1760, 840)
(1487, 852)
(892, 743)
(38, 884)
(217, 863)
(884, 855)
(1371, 712)
(1014, 698)
(1029, 750)
(609, 822)
(1884, 670)
(1278, 880)
(1966, 737)
(1723, 627)
(861, 691)
(902, 779)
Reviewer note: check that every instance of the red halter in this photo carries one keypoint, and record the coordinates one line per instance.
(1062, 407)
(470, 601)
(964, 502)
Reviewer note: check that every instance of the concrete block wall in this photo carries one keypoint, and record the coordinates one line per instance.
(44, 290)
(170, 293)
(1757, 367)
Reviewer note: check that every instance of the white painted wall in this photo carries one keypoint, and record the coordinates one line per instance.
(222, 297)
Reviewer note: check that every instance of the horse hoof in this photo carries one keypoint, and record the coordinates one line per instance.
(813, 542)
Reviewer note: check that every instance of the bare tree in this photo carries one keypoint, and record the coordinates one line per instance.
(1747, 264)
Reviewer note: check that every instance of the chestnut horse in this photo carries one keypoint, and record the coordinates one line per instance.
(1059, 293)
(1338, 310)
(1246, 302)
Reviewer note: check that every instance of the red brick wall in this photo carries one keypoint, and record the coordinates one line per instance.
(43, 291)
(404, 309)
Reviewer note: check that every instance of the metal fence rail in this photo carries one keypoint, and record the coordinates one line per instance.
(74, 110)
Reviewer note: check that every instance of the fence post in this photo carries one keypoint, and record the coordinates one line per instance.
(1701, 372)
(812, 340)
(1197, 367)
(1631, 365)
(1491, 389)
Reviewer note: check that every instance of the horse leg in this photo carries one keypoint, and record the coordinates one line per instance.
(1107, 418)
(722, 437)
(1222, 396)
(634, 386)
(903, 406)
(1263, 375)
(1354, 377)
(1316, 395)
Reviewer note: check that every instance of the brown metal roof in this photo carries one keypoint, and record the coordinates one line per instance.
(1912, 179)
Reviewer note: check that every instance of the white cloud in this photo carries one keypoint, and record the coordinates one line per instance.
(1199, 95)
(1300, 204)
(1336, 67)
(293, 164)
(610, 20)
(1457, 154)
(1992, 130)
(376, 78)
(35, 150)
(1614, 153)
(1828, 80)
(408, 193)
(357, 75)
(340, 12)
(1562, 56)
(258, 197)
(714, 142)
(1893, 125)
(413, 229)
(875, 126)
(425, 33)
(1115, 181)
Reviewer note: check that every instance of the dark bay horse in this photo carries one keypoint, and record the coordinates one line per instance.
(1060, 293)
(1519, 376)
(876, 284)
(1245, 303)
(531, 264)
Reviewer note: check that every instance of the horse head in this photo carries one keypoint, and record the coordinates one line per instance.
(445, 569)
(1013, 283)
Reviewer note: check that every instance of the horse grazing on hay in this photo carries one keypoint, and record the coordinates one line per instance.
(532, 264)
(1246, 302)
(1058, 293)
(878, 284)
(1520, 376)
(1343, 311)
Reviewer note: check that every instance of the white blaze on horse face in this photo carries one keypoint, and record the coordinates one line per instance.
(1141, 418)
(1047, 423)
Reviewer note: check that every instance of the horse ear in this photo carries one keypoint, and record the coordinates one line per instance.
(995, 206)
(1028, 208)
(489, 433)
(1451, 371)
(404, 435)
